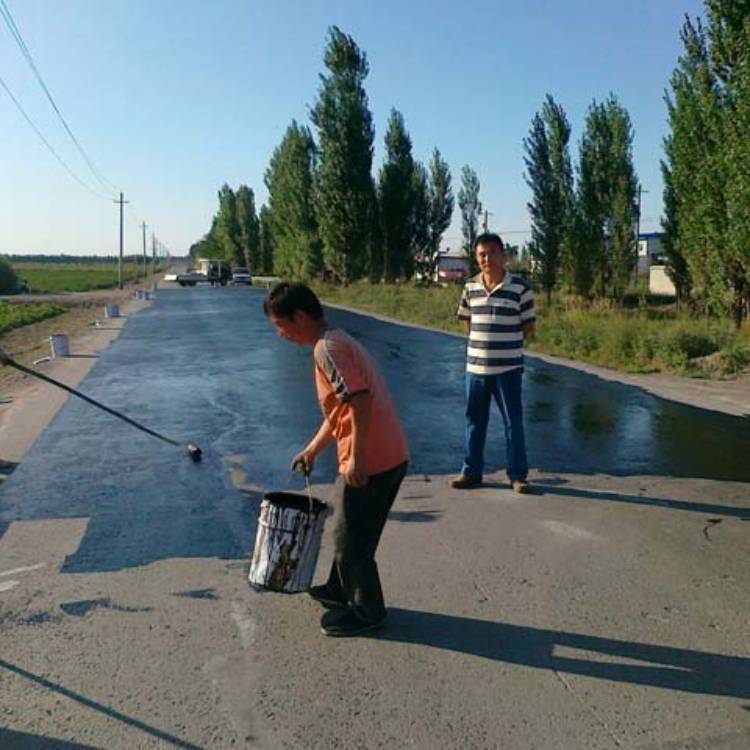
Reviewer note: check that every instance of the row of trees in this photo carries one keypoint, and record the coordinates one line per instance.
(707, 162)
(236, 231)
(326, 213)
(583, 221)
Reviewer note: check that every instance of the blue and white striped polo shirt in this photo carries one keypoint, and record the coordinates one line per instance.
(496, 339)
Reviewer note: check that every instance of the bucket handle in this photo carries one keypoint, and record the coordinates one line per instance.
(309, 497)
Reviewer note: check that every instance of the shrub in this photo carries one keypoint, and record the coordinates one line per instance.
(8, 278)
(736, 358)
(14, 315)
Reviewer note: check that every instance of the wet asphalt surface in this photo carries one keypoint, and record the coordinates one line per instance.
(204, 365)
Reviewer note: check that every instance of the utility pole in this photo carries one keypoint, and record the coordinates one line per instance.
(119, 263)
(145, 262)
(153, 253)
(485, 225)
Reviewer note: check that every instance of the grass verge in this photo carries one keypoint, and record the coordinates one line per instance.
(17, 315)
(656, 339)
(54, 278)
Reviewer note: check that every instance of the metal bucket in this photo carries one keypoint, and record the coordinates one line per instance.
(111, 311)
(287, 543)
(59, 345)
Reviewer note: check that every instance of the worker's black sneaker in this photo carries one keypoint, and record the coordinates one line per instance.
(323, 595)
(345, 623)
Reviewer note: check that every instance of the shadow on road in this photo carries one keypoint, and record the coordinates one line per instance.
(6, 469)
(666, 667)
(619, 497)
(112, 713)
(415, 516)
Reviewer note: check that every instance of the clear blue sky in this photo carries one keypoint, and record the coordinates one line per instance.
(172, 98)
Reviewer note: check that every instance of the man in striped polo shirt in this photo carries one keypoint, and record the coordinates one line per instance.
(497, 310)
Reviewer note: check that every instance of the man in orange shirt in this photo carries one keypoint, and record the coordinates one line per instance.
(359, 416)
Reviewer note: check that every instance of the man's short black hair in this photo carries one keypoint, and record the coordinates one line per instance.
(286, 298)
(489, 238)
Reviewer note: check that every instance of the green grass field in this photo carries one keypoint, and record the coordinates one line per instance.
(48, 278)
(14, 315)
(653, 338)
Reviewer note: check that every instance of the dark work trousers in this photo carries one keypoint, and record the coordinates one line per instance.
(360, 516)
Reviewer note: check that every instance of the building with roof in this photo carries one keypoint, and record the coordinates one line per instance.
(650, 251)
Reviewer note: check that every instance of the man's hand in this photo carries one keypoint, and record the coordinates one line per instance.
(5, 357)
(353, 475)
(303, 462)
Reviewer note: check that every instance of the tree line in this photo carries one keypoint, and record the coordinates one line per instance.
(584, 220)
(326, 214)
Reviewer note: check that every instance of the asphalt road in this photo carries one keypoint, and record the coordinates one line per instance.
(608, 610)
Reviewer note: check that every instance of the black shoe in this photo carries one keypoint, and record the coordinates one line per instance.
(346, 623)
(323, 595)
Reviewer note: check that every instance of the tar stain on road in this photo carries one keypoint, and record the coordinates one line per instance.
(205, 365)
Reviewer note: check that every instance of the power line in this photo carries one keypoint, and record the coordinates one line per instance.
(16, 34)
(47, 144)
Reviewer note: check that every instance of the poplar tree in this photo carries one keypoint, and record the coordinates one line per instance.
(677, 268)
(471, 209)
(550, 177)
(266, 241)
(344, 187)
(695, 207)
(209, 245)
(396, 200)
(248, 228)
(227, 227)
(729, 46)
(421, 240)
(291, 205)
(621, 246)
(604, 242)
(707, 160)
(441, 200)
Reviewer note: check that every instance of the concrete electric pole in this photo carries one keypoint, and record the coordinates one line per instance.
(145, 261)
(119, 263)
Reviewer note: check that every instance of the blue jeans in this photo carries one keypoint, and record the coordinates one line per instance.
(506, 390)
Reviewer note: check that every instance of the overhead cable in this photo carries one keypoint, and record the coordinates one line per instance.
(16, 34)
(47, 144)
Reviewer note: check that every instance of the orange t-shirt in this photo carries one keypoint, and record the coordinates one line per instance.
(343, 367)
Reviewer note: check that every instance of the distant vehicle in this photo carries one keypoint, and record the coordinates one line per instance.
(241, 276)
(211, 270)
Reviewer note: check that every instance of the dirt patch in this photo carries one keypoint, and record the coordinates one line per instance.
(27, 405)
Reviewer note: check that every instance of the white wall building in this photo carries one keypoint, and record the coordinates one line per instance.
(650, 251)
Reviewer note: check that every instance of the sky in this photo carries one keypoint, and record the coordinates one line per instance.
(170, 99)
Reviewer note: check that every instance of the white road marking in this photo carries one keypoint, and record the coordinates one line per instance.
(7, 585)
(245, 625)
(22, 570)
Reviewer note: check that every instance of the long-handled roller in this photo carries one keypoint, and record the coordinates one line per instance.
(192, 449)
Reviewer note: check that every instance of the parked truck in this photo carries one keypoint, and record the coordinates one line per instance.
(210, 270)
